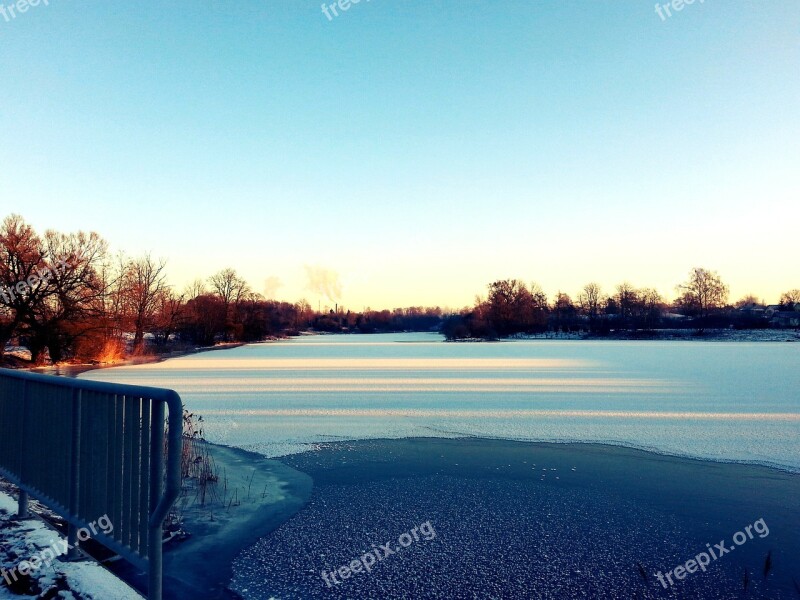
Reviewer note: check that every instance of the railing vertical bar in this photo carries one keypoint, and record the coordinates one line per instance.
(131, 432)
(117, 466)
(93, 506)
(22, 509)
(94, 445)
(74, 474)
(43, 396)
(101, 439)
(26, 424)
(47, 394)
(50, 478)
(144, 487)
(85, 459)
(61, 437)
(126, 483)
(102, 408)
(38, 441)
(154, 553)
(137, 476)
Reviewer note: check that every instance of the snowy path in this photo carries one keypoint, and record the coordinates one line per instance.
(20, 541)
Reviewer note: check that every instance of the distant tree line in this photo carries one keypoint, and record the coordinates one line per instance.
(415, 318)
(512, 308)
(66, 297)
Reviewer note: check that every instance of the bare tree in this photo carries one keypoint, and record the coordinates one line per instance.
(107, 342)
(652, 307)
(703, 293)
(21, 256)
(144, 283)
(51, 287)
(564, 311)
(229, 286)
(510, 306)
(303, 315)
(589, 301)
(790, 299)
(195, 289)
(627, 298)
(231, 289)
(66, 304)
(539, 297)
(169, 312)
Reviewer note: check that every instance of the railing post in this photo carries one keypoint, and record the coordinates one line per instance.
(75, 475)
(22, 511)
(154, 553)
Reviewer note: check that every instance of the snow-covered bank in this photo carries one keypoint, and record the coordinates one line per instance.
(23, 540)
(711, 335)
(659, 335)
(18, 357)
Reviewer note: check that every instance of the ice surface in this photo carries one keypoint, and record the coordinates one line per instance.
(734, 401)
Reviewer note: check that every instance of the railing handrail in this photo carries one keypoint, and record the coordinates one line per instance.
(172, 483)
(155, 393)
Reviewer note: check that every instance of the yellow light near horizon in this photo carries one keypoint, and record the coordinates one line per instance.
(504, 414)
(335, 364)
(443, 384)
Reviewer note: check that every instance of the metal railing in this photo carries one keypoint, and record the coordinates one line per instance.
(88, 449)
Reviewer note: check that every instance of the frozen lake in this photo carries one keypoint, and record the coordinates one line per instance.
(724, 401)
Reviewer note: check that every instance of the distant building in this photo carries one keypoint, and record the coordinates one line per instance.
(785, 318)
(753, 309)
(674, 316)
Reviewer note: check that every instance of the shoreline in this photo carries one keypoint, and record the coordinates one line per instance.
(73, 370)
(656, 335)
(788, 469)
(260, 494)
(710, 335)
(267, 493)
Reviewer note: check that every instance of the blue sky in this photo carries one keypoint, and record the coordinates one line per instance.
(421, 149)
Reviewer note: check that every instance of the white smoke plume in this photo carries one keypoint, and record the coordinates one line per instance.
(324, 282)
